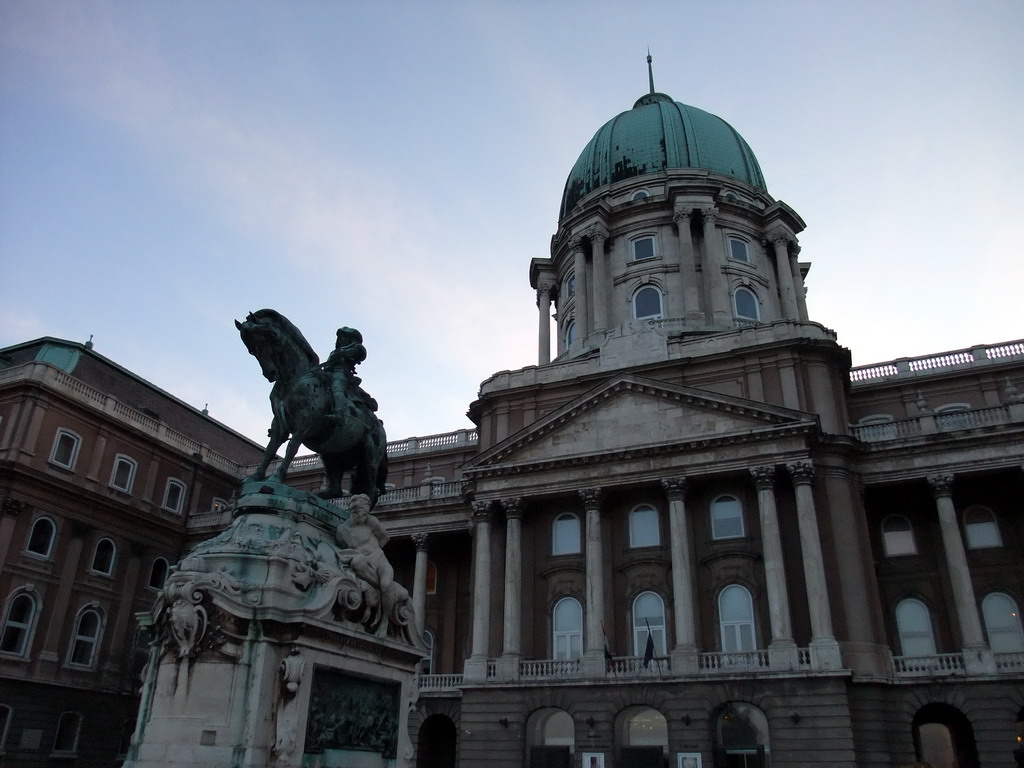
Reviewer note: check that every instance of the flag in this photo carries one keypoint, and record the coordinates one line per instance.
(649, 650)
(607, 653)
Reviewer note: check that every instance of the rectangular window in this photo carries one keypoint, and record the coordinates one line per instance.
(738, 249)
(643, 248)
(65, 449)
(174, 496)
(123, 475)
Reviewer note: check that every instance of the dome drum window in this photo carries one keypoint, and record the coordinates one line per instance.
(745, 305)
(739, 250)
(642, 248)
(647, 303)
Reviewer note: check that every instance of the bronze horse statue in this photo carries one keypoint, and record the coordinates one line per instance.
(340, 425)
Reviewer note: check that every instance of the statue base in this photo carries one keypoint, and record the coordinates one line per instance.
(269, 650)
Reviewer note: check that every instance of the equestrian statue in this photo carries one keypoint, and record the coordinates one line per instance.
(319, 405)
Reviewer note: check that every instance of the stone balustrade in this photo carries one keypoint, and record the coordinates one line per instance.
(937, 665)
(906, 367)
(929, 423)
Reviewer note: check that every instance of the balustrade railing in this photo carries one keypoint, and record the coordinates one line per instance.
(908, 366)
(929, 666)
(440, 682)
(549, 669)
(742, 661)
(633, 666)
(944, 422)
(1009, 662)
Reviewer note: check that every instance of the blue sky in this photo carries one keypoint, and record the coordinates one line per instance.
(394, 166)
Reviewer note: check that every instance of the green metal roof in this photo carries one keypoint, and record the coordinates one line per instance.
(659, 134)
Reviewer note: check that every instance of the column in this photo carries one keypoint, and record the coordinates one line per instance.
(714, 262)
(582, 312)
(508, 665)
(784, 272)
(826, 649)
(599, 293)
(782, 649)
(9, 512)
(476, 664)
(798, 281)
(684, 656)
(544, 325)
(593, 664)
(62, 601)
(419, 583)
(693, 310)
(979, 657)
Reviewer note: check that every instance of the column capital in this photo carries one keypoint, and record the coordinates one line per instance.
(764, 477)
(481, 512)
(513, 507)
(596, 232)
(680, 215)
(420, 541)
(544, 294)
(13, 507)
(576, 243)
(710, 215)
(942, 485)
(591, 497)
(675, 487)
(801, 472)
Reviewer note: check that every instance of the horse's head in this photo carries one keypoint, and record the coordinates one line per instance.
(278, 345)
(260, 340)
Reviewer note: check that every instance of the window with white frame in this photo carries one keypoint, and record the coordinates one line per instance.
(647, 303)
(103, 557)
(982, 528)
(1002, 623)
(218, 504)
(745, 304)
(86, 638)
(427, 662)
(640, 194)
(643, 527)
(19, 623)
(567, 628)
(739, 249)
(726, 518)
(736, 619)
(565, 535)
(649, 619)
(174, 496)
(122, 477)
(898, 536)
(642, 248)
(914, 624)
(158, 573)
(65, 743)
(65, 449)
(42, 537)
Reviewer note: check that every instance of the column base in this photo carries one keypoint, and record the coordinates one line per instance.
(506, 668)
(825, 653)
(684, 660)
(783, 656)
(593, 664)
(475, 670)
(979, 660)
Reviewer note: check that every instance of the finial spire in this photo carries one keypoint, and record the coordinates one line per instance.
(650, 69)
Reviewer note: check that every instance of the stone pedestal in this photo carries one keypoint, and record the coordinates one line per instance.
(269, 650)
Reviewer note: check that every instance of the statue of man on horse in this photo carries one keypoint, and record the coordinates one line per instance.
(321, 406)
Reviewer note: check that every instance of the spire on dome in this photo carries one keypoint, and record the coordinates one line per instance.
(650, 69)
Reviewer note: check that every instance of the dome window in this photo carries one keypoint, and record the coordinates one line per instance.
(640, 194)
(647, 303)
(746, 305)
(643, 248)
(570, 286)
(739, 250)
(570, 334)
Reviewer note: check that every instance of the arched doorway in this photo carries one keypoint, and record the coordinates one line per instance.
(643, 734)
(944, 738)
(551, 736)
(435, 747)
(741, 737)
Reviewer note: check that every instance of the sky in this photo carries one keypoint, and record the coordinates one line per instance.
(167, 167)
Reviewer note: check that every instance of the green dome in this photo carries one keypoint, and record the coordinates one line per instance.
(659, 134)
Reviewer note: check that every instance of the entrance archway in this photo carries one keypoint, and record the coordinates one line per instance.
(944, 738)
(551, 738)
(436, 745)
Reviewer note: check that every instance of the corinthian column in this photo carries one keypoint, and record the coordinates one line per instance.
(684, 654)
(822, 639)
(419, 584)
(782, 648)
(582, 313)
(512, 628)
(593, 655)
(599, 290)
(692, 309)
(544, 325)
(714, 262)
(784, 272)
(476, 664)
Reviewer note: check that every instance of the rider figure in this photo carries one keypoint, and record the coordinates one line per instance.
(341, 364)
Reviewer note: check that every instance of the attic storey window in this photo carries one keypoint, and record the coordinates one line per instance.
(643, 248)
(174, 496)
(65, 449)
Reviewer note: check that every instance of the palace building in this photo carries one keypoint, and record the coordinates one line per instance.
(691, 535)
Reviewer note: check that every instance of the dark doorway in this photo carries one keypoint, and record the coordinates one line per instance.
(550, 757)
(944, 738)
(643, 757)
(435, 747)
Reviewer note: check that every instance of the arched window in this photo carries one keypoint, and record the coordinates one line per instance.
(103, 557)
(123, 475)
(158, 573)
(741, 733)
(19, 622)
(65, 744)
(648, 620)
(898, 536)
(567, 623)
(427, 662)
(982, 528)
(726, 518)
(570, 286)
(914, 623)
(40, 540)
(640, 194)
(570, 334)
(551, 735)
(174, 496)
(643, 527)
(1002, 623)
(86, 638)
(745, 304)
(739, 250)
(643, 248)
(65, 449)
(736, 619)
(565, 535)
(647, 303)
(218, 504)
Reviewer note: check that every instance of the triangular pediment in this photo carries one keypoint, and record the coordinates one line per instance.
(635, 414)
